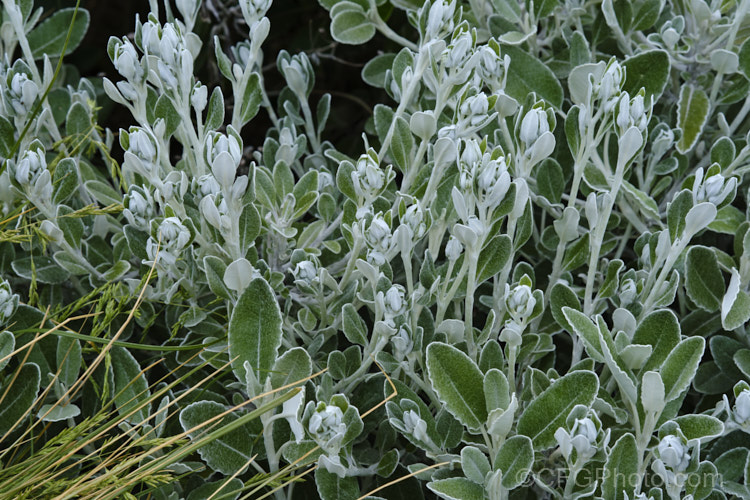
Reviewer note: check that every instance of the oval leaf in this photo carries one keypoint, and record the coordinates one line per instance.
(255, 330)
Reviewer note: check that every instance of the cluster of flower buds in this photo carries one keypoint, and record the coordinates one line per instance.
(380, 240)
(393, 304)
(173, 237)
(254, 10)
(8, 302)
(440, 18)
(139, 208)
(673, 459)
(535, 134)
(141, 152)
(20, 93)
(298, 73)
(631, 113)
(369, 180)
(713, 187)
(583, 438)
(473, 114)
(607, 90)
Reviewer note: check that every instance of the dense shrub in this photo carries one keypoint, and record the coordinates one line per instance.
(527, 278)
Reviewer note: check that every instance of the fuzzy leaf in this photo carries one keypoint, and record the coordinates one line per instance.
(703, 281)
(528, 74)
(621, 468)
(680, 366)
(332, 487)
(131, 388)
(20, 397)
(456, 488)
(549, 410)
(515, 458)
(227, 454)
(458, 382)
(50, 35)
(255, 330)
(700, 427)
(649, 70)
(351, 26)
(692, 113)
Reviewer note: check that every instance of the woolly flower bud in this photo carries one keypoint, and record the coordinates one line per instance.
(174, 234)
(327, 427)
(520, 301)
(490, 63)
(475, 108)
(440, 18)
(139, 208)
(611, 82)
(368, 177)
(583, 437)
(30, 166)
(223, 154)
(472, 153)
(142, 145)
(453, 249)
(295, 73)
(305, 270)
(395, 302)
(8, 302)
(199, 97)
(414, 219)
(22, 93)
(402, 343)
(150, 35)
(674, 453)
(207, 184)
(742, 407)
(628, 292)
(51, 230)
(459, 50)
(254, 10)
(533, 125)
(412, 423)
(126, 61)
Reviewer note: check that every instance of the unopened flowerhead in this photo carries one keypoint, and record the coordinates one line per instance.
(490, 65)
(142, 144)
(394, 302)
(674, 453)
(126, 61)
(296, 72)
(453, 249)
(327, 427)
(306, 271)
(520, 301)
(402, 343)
(628, 291)
(533, 125)
(368, 178)
(440, 18)
(741, 411)
(31, 165)
(22, 93)
(459, 50)
(139, 207)
(174, 238)
(583, 437)
(254, 10)
(8, 302)
(414, 219)
(474, 109)
(206, 185)
(223, 154)
(610, 84)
